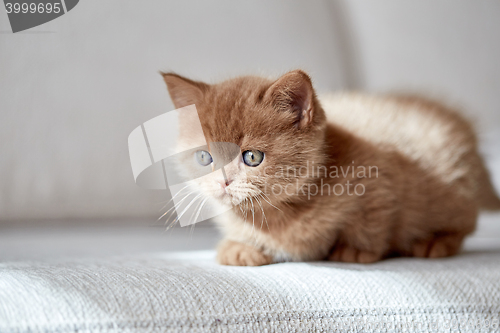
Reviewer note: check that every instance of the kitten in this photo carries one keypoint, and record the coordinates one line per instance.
(361, 177)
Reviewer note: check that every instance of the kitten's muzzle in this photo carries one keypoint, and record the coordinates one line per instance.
(224, 183)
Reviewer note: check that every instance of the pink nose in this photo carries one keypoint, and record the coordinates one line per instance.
(225, 183)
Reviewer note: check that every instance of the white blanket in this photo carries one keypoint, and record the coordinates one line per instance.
(189, 292)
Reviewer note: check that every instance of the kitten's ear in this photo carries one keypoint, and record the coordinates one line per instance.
(183, 92)
(294, 92)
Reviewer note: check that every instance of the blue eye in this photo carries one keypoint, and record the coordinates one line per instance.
(203, 157)
(253, 157)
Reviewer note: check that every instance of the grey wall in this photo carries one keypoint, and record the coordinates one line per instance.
(444, 48)
(72, 90)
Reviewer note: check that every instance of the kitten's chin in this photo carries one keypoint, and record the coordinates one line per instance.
(229, 197)
(229, 200)
(226, 198)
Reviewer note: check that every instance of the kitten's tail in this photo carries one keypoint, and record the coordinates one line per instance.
(488, 198)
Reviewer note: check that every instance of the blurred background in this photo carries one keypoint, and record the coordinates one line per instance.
(72, 90)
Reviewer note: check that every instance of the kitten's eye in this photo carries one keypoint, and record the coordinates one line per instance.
(253, 157)
(203, 157)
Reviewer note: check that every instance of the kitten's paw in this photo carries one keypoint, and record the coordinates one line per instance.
(350, 254)
(238, 254)
(439, 246)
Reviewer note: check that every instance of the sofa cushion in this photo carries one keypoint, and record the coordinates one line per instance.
(188, 291)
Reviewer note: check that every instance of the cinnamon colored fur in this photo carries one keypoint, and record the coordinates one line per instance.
(429, 185)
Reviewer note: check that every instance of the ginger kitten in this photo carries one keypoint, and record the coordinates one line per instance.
(346, 177)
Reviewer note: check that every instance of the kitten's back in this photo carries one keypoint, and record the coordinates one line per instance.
(438, 139)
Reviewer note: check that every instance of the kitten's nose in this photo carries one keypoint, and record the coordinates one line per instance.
(225, 182)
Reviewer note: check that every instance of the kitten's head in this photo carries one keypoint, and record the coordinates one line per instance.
(278, 126)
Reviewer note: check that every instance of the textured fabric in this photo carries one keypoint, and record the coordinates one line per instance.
(188, 291)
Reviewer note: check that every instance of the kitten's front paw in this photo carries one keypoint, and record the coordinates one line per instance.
(238, 254)
(438, 246)
(350, 254)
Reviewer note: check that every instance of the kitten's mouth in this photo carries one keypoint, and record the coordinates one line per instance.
(228, 198)
(222, 194)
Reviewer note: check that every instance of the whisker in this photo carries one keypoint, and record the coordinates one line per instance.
(253, 215)
(264, 196)
(188, 206)
(173, 210)
(263, 212)
(172, 198)
(194, 212)
(201, 207)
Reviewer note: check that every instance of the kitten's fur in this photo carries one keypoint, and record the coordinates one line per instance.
(423, 201)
